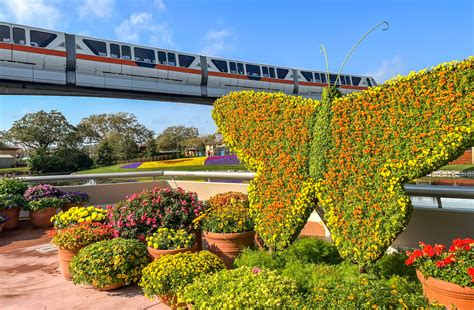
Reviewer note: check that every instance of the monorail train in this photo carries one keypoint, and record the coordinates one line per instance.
(43, 56)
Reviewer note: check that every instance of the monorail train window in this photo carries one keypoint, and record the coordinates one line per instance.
(233, 67)
(40, 38)
(114, 51)
(185, 60)
(220, 64)
(5, 34)
(332, 79)
(252, 70)
(19, 36)
(97, 47)
(126, 52)
(144, 55)
(240, 68)
(281, 73)
(348, 80)
(342, 80)
(317, 77)
(369, 82)
(272, 72)
(323, 77)
(308, 76)
(355, 80)
(265, 72)
(162, 58)
(171, 59)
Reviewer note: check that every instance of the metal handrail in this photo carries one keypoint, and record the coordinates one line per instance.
(436, 191)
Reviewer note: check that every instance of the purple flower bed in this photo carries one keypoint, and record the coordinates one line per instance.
(41, 191)
(132, 165)
(222, 160)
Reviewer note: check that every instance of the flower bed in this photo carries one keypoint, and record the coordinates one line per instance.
(222, 160)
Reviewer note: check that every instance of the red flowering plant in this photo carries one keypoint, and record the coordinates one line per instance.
(77, 236)
(455, 265)
(143, 213)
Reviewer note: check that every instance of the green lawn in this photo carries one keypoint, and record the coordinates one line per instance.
(467, 167)
(116, 168)
(14, 170)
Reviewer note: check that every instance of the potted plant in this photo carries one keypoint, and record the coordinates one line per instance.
(227, 225)
(243, 288)
(11, 200)
(43, 202)
(170, 241)
(77, 215)
(143, 213)
(74, 199)
(447, 276)
(109, 264)
(70, 240)
(164, 277)
(3, 220)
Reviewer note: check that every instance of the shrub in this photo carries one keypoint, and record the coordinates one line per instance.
(42, 191)
(12, 186)
(349, 155)
(80, 235)
(43, 203)
(77, 215)
(108, 262)
(10, 201)
(243, 288)
(454, 265)
(143, 213)
(393, 264)
(74, 197)
(170, 274)
(170, 239)
(227, 213)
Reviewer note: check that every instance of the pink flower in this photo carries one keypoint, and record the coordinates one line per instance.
(256, 270)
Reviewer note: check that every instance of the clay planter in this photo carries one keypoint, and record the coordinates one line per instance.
(198, 235)
(1, 227)
(172, 302)
(42, 219)
(449, 294)
(65, 258)
(13, 215)
(228, 246)
(159, 253)
(111, 287)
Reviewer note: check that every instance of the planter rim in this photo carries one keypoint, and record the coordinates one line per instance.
(44, 209)
(228, 235)
(448, 286)
(12, 208)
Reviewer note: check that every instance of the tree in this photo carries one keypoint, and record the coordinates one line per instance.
(173, 138)
(97, 128)
(128, 149)
(43, 130)
(150, 149)
(61, 160)
(105, 155)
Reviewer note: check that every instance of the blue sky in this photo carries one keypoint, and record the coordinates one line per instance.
(287, 33)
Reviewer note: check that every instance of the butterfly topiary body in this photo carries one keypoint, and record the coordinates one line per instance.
(349, 156)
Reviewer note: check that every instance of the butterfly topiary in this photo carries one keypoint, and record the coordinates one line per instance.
(349, 156)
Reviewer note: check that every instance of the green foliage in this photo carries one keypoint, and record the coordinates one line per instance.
(61, 160)
(10, 201)
(127, 149)
(43, 203)
(392, 264)
(243, 288)
(105, 155)
(170, 239)
(171, 273)
(12, 186)
(174, 138)
(109, 261)
(151, 148)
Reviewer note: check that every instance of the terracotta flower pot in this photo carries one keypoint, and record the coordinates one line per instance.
(172, 301)
(228, 246)
(42, 219)
(13, 215)
(449, 294)
(111, 287)
(198, 235)
(65, 258)
(159, 253)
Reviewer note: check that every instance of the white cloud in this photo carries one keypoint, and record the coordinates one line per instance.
(140, 25)
(217, 41)
(96, 8)
(388, 69)
(160, 4)
(39, 13)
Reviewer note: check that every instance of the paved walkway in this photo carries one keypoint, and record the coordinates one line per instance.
(30, 277)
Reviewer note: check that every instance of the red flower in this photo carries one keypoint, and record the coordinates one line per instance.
(448, 260)
(439, 248)
(470, 271)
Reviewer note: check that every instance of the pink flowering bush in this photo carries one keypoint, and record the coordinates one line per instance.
(455, 265)
(143, 213)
